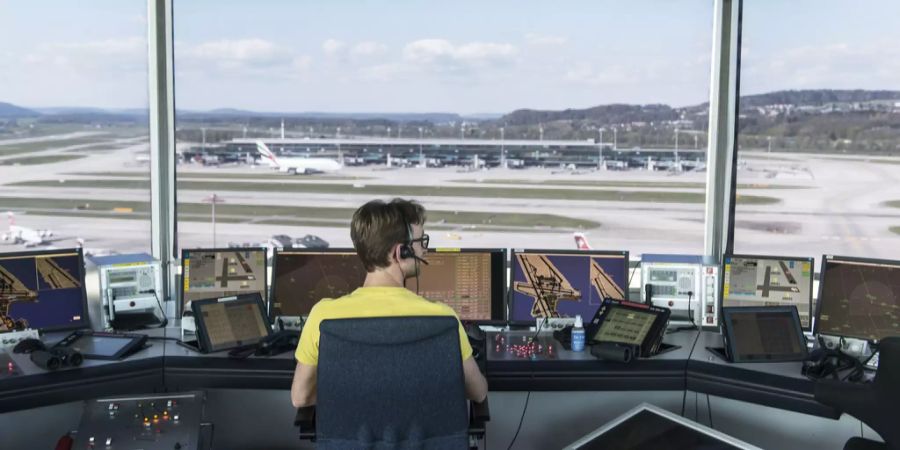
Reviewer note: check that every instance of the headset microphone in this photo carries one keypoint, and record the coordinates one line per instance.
(422, 260)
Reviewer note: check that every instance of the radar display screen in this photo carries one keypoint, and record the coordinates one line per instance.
(231, 322)
(42, 290)
(222, 273)
(548, 283)
(300, 278)
(471, 281)
(769, 281)
(764, 334)
(859, 298)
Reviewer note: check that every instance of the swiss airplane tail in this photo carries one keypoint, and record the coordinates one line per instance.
(581, 241)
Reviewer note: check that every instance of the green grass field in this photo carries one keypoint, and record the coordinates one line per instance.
(279, 214)
(417, 191)
(895, 230)
(30, 147)
(36, 160)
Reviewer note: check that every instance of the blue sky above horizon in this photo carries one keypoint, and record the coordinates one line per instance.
(414, 56)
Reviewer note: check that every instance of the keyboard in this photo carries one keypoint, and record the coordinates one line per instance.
(872, 363)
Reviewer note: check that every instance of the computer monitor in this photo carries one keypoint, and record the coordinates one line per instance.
(231, 322)
(858, 298)
(753, 280)
(212, 273)
(561, 283)
(469, 280)
(43, 290)
(302, 277)
(763, 334)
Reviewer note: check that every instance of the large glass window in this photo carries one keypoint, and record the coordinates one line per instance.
(820, 129)
(74, 146)
(517, 124)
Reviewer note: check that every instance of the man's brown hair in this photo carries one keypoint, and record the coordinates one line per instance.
(377, 226)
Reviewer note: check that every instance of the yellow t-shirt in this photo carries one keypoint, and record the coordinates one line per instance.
(370, 302)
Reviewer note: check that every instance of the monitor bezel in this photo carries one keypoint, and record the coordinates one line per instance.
(270, 304)
(510, 290)
(203, 333)
(498, 273)
(812, 265)
(498, 290)
(85, 321)
(265, 291)
(822, 280)
(729, 336)
(586, 439)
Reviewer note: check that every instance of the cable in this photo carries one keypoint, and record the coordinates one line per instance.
(709, 411)
(521, 419)
(630, 277)
(527, 397)
(684, 397)
(162, 311)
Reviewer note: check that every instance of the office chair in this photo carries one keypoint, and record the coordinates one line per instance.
(391, 382)
(876, 403)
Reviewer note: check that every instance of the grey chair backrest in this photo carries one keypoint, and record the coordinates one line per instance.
(390, 382)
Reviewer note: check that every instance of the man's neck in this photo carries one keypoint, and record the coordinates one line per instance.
(382, 278)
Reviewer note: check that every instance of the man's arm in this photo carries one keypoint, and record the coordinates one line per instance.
(476, 384)
(303, 389)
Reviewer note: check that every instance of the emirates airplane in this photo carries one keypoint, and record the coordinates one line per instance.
(295, 166)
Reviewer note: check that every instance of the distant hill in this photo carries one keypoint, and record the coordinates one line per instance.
(816, 97)
(605, 114)
(8, 110)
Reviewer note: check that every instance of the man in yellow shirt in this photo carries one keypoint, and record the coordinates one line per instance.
(390, 240)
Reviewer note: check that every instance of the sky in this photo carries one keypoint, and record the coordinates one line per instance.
(465, 56)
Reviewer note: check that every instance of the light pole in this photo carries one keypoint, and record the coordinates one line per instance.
(340, 154)
(502, 149)
(212, 200)
(600, 150)
(769, 138)
(615, 138)
(676, 148)
(421, 153)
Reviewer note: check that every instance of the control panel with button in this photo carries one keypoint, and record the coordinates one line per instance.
(164, 421)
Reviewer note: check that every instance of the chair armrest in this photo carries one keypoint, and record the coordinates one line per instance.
(479, 413)
(305, 420)
(850, 398)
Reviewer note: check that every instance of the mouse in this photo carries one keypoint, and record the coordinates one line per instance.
(29, 345)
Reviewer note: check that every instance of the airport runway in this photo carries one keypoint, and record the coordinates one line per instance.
(840, 210)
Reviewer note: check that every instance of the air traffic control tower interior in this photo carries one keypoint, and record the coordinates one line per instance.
(659, 225)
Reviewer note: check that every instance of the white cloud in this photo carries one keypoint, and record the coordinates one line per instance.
(108, 56)
(239, 52)
(441, 54)
(545, 40)
(385, 72)
(836, 65)
(332, 47)
(369, 48)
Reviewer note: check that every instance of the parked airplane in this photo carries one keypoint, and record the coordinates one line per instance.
(295, 166)
(23, 235)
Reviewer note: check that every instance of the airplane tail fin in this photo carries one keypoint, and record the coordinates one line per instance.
(263, 149)
(581, 241)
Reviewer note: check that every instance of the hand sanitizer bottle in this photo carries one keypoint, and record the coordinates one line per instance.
(578, 335)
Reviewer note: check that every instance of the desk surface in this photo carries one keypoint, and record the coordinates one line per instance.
(167, 365)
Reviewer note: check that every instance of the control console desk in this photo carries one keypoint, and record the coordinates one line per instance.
(553, 368)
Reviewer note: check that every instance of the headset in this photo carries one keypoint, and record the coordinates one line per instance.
(825, 362)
